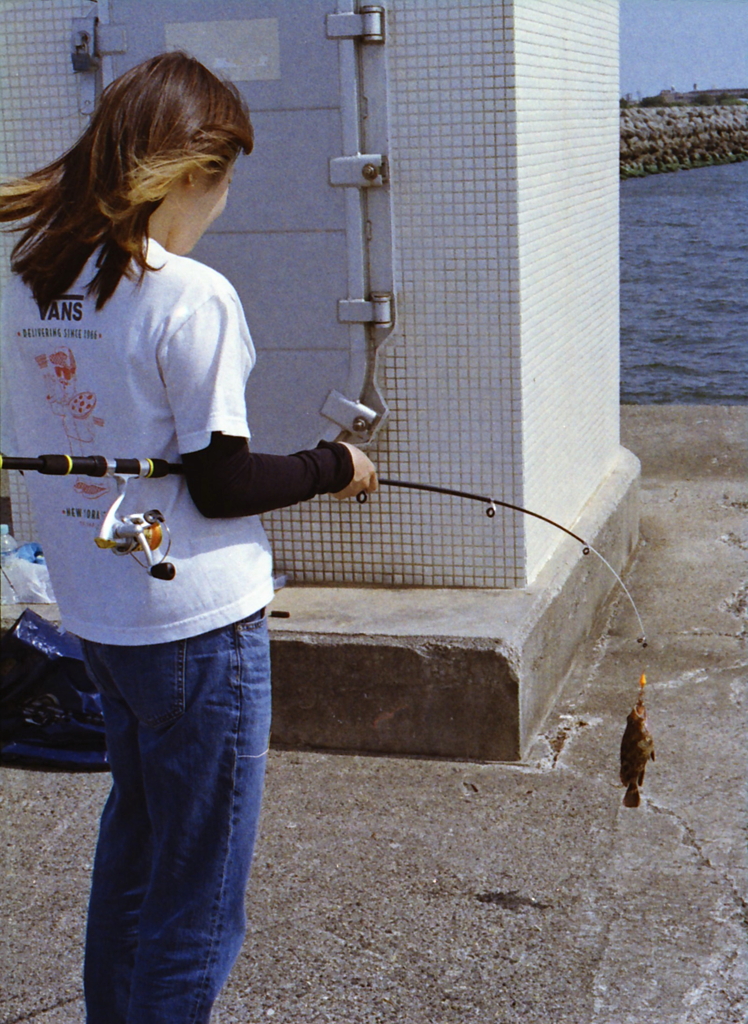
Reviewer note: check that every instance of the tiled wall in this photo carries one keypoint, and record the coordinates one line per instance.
(567, 158)
(451, 370)
(39, 120)
(501, 374)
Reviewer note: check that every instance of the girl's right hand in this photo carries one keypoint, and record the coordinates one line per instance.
(364, 475)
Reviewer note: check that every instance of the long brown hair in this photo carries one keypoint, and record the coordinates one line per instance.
(163, 119)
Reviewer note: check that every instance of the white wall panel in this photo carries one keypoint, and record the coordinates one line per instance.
(567, 146)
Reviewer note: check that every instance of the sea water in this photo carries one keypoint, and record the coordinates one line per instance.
(684, 286)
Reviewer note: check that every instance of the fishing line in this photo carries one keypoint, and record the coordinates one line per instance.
(640, 639)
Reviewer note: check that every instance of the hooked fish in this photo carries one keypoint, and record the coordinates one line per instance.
(637, 747)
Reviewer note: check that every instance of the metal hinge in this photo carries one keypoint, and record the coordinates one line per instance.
(110, 39)
(351, 416)
(364, 170)
(91, 40)
(376, 311)
(366, 26)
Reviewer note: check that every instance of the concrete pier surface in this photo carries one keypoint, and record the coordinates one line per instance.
(426, 891)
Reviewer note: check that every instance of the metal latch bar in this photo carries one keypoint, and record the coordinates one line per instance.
(364, 170)
(367, 25)
(352, 416)
(376, 311)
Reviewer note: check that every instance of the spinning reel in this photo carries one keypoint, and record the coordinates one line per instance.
(138, 532)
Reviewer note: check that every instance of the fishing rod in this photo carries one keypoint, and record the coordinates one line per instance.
(91, 465)
(492, 504)
(143, 532)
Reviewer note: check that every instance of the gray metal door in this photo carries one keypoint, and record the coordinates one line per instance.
(306, 236)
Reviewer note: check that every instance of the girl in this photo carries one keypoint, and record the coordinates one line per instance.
(114, 341)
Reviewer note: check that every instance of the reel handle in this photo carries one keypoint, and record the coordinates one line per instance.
(163, 571)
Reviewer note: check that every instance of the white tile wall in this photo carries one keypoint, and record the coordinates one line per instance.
(451, 370)
(502, 374)
(40, 119)
(567, 146)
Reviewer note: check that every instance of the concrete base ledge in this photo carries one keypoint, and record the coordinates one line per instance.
(448, 672)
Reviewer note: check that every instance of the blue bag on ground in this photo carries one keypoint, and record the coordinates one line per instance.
(50, 712)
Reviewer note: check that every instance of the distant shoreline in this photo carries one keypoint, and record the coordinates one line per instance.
(657, 140)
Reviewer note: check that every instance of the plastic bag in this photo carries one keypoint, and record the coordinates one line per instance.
(31, 552)
(26, 582)
(51, 713)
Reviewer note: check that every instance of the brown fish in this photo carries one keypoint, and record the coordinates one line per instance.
(637, 747)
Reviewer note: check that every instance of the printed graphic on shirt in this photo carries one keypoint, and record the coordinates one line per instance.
(90, 515)
(76, 406)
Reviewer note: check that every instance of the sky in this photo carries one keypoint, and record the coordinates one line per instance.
(682, 43)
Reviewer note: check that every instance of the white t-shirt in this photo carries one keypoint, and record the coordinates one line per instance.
(152, 374)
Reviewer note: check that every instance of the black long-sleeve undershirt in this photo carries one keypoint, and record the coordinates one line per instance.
(227, 480)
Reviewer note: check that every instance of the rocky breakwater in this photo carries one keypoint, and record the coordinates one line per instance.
(660, 139)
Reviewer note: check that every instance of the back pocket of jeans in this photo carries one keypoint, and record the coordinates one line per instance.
(150, 679)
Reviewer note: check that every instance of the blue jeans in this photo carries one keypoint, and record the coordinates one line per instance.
(188, 725)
